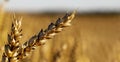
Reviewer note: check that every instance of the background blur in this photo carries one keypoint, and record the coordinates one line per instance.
(93, 37)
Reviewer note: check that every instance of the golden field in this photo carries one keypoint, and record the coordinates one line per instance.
(91, 38)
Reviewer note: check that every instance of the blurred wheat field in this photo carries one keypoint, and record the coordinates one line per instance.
(91, 38)
(1, 14)
(1, 21)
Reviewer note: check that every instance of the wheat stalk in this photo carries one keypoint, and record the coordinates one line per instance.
(14, 52)
(13, 46)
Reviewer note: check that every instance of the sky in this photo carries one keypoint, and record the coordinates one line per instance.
(63, 5)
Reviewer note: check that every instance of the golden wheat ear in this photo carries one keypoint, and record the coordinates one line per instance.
(12, 47)
(48, 33)
(14, 52)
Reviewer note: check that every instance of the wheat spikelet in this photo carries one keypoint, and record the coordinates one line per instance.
(12, 48)
(48, 33)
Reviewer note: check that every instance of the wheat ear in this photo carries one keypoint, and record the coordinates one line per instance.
(13, 46)
(14, 52)
(48, 33)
